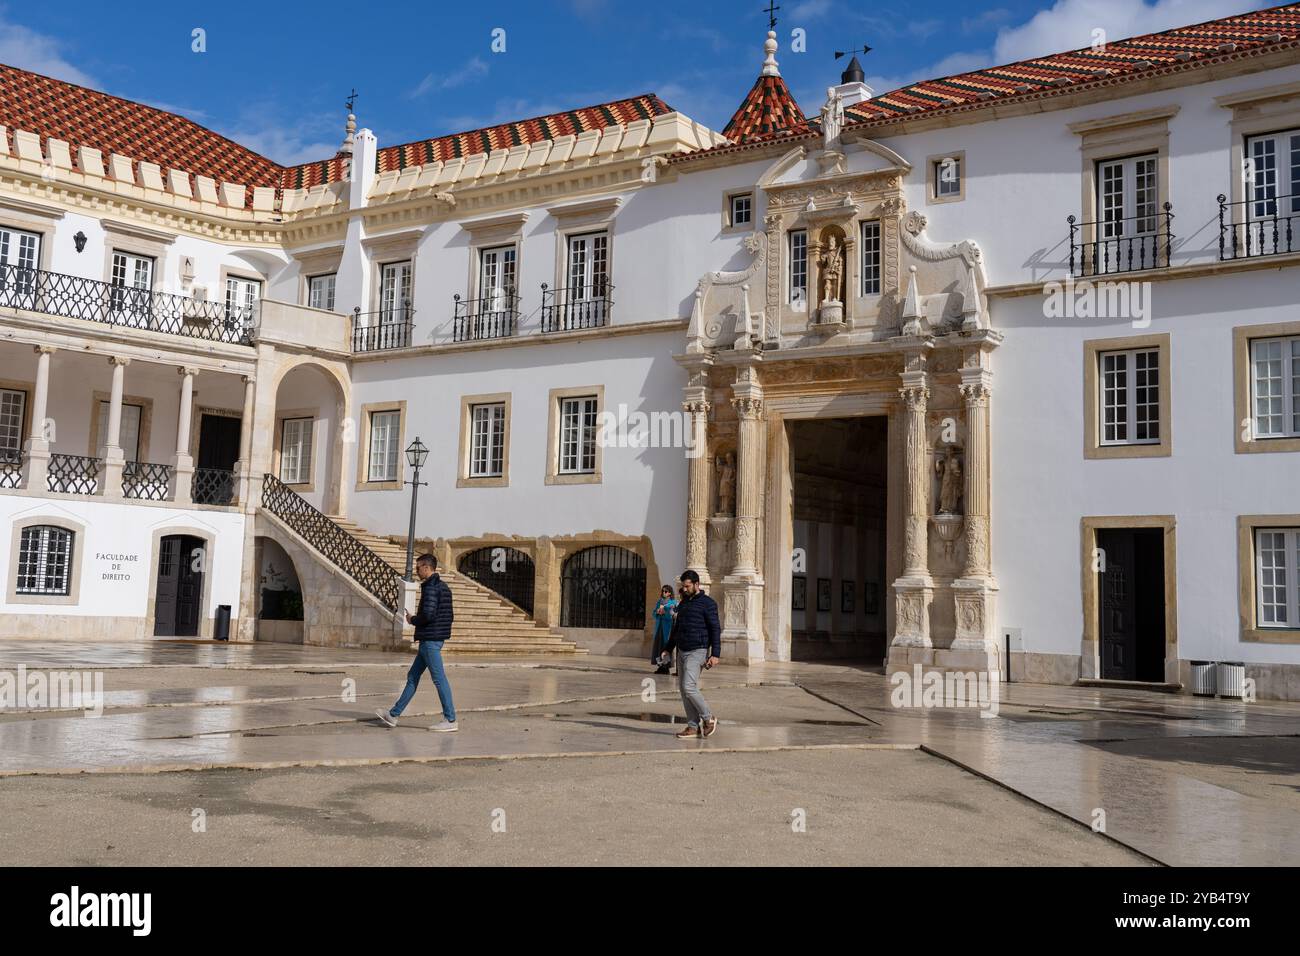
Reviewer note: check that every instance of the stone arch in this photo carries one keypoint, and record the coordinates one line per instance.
(315, 390)
(206, 610)
(603, 586)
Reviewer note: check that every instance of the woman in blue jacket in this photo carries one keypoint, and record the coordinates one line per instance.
(665, 610)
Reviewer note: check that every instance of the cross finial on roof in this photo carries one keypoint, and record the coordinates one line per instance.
(352, 100)
(770, 10)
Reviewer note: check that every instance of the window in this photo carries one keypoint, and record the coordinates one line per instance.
(295, 451)
(742, 209)
(1130, 397)
(128, 432)
(496, 278)
(13, 408)
(45, 561)
(799, 268)
(1127, 200)
(1277, 577)
(20, 254)
(395, 293)
(578, 435)
(487, 441)
(947, 177)
(1273, 175)
(871, 258)
(132, 283)
(1275, 387)
(241, 300)
(320, 292)
(384, 438)
(588, 266)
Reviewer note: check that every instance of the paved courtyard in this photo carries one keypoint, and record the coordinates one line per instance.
(255, 754)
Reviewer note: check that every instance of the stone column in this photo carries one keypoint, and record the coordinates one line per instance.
(742, 636)
(183, 461)
(114, 458)
(914, 591)
(242, 467)
(697, 506)
(975, 645)
(38, 442)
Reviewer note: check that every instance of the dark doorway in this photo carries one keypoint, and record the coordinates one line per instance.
(1131, 603)
(506, 571)
(218, 442)
(178, 600)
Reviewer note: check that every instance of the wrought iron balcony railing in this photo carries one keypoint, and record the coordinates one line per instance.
(1259, 227)
(52, 293)
(382, 330)
(578, 307)
(11, 468)
(74, 474)
(1122, 244)
(146, 481)
(213, 486)
(492, 317)
(356, 560)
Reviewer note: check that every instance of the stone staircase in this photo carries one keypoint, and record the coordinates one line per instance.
(485, 623)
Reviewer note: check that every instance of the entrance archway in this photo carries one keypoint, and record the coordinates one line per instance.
(178, 586)
(307, 449)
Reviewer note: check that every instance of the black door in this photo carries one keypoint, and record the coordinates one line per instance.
(218, 442)
(1132, 604)
(179, 596)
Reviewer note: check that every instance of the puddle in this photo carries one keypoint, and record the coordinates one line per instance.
(834, 723)
(320, 673)
(653, 718)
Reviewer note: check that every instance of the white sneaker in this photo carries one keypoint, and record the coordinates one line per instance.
(386, 717)
(445, 727)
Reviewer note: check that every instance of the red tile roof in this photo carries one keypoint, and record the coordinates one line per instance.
(768, 111)
(54, 109)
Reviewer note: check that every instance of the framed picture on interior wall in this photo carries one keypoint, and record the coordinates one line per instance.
(871, 598)
(823, 594)
(847, 589)
(799, 593)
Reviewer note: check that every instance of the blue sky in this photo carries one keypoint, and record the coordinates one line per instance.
(276, 80)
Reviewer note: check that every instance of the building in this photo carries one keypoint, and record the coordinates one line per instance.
(901, 377)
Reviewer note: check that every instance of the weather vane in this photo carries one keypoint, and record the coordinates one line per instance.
(352, 99)
(771, 14)
(864, 49)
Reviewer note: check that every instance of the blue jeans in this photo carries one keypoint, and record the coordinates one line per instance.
(429, 655)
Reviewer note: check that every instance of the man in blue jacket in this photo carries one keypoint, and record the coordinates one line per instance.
(698, 638)
(432, 620)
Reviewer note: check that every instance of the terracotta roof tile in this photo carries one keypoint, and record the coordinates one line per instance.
(768, 111)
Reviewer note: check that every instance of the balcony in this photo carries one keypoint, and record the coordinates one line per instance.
(494, 317)
(383, 330)
(1258, 227)
(141, 480)
(1121, 244)
(53, 293)
(576, 307)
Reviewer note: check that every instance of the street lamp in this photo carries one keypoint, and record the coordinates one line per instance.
(416, 453)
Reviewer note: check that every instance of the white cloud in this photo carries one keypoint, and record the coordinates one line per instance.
(474, 68)
(809, 10)
(263, 129)
(28, 50)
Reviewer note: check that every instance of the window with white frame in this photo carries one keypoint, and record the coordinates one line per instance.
(1127, 199)
(1277, 577)
(871, 258)
(742, 209)
(241, 300)
(496, 278)
(1130, 397)
(947, 177)
(13, 408)
(588, 266)
(395, 293)
(384, 427)
(1275, 387)
(20, 256)
(128, 433)
(578, 435)
(798, 267)
(1273, 174)
(131, 281)
(45, 560)
(487, 440)
(295, 451)
(320, 291)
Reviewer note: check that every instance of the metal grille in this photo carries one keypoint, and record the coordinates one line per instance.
(380, 331)
(1268, 227)
(11, 469)
(146, 481)
(76, 298)
(213, 486)
(74, 474)
(508, 572)
(603, 586)
(495, 317)
(348, 554)
(577, 307)
(1121, 243)
(44, 560)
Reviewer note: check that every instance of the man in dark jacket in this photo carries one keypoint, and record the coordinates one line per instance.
(432, 620)
(697, 636)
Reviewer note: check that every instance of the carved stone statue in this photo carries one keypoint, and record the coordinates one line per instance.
(832, 119)
(726, 484)
(832, 266)
(948, 469)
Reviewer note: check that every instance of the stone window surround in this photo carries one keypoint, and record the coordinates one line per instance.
(137, 241)
(198, 413)
(467, 403)
(311, 265)
(281, 415)
(146, 424)
(205, 599)
(1092, 351)
(553, 474)
(1117, 137)
(363, 448)
(1247, 596)
(491, 233)
(727, 196)
(28, 389)
(1266, 110)
(73, 597)
(387, 251)
(234, 272)
(29, 217)
(579, 218)
(1089, 526)
(932, 196)
(1242, 376)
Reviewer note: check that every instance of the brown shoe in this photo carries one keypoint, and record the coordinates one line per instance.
(688, 732)
(709, 727)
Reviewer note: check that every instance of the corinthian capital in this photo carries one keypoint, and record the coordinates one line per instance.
(914, 397)
(697, 407)
(748, 408)
(976, 394)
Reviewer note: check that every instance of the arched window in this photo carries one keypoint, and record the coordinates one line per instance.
(506, 571)
(603, 587)
(45, 560)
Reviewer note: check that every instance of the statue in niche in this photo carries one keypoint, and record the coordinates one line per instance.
(948, 468)
(832, 266)
(726, 484)
(832, 119)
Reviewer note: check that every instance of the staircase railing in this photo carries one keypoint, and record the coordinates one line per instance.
(316, 528)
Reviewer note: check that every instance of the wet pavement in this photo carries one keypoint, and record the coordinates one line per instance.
(1182, 780)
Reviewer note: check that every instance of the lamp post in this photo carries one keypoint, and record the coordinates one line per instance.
(416, 453)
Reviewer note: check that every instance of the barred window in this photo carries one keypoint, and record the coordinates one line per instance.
(578, 435)
(45, 560)
(1130, 397)
(487, 441)
(871, 258)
